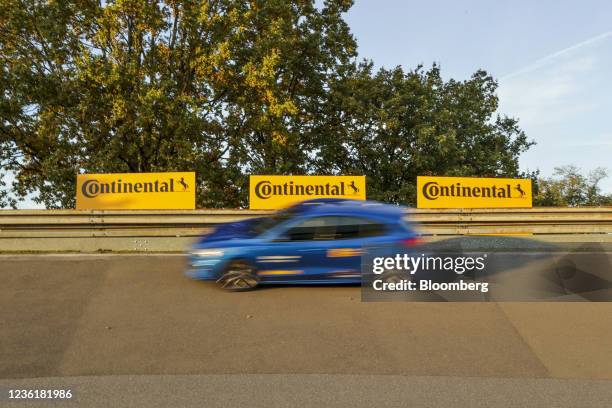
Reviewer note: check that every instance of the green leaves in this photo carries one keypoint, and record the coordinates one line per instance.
(220, 87)
(227, 88)
(394, 125)
(569, 187)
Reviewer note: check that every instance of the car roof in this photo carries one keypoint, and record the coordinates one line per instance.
(338, 206)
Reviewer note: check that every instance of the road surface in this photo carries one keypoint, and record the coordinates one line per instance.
(122, 326)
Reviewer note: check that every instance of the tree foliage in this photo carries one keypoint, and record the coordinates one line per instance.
(220, 87)
(570, 188)
(394, 125)
(227, 88)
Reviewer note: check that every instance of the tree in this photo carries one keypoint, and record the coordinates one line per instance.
(570, 188)
(221, 87)
(227, 88)
(395, 125)
(5, 199)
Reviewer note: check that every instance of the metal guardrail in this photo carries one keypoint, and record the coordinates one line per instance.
(537, 221)
(189, 223)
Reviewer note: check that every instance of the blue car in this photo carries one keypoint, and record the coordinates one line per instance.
(315, 242)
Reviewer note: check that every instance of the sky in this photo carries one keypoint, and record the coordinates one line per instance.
(552, 60)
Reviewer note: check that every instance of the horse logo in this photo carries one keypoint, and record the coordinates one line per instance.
(520, 190)
(183, 183)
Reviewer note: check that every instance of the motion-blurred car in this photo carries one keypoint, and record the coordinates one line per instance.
(315, 242)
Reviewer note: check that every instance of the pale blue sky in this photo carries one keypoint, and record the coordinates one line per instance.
(553, 60)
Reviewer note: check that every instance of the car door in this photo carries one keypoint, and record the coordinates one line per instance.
(296, 253)
(325, 249)
(352, 235)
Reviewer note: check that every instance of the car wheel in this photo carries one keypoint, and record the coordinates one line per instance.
(238, 276)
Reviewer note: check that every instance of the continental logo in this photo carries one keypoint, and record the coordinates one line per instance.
(266, 189)
(136, 191)
(273, 192)
(472, 192)
(433, 190)
(93, 188)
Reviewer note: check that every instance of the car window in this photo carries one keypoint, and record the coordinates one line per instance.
(355, 227)
(307, 230)
(333, 228)
(264, 224)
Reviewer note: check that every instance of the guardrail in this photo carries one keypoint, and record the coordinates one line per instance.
(25, 230)
(537, 221)
(19, 223)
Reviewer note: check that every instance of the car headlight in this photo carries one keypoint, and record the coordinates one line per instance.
(208, 253)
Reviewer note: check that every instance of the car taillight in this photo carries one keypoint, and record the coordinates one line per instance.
(410, 242)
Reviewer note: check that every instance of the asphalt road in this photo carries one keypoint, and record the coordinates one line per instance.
(105, 322)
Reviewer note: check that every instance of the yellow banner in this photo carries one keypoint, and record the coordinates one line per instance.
(136, 191)
(473, 192)
(273, 192)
